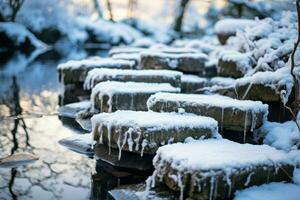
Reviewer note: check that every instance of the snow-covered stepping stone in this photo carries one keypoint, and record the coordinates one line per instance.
(110, 96)
(191, 83)
(75, 71)
(80, 143)
(228, 27)
(72, 109)
(148, 76)
(231, 114)
(190, 62)
(144, 132)
(215, 169)
(234, 64)
(265, 86)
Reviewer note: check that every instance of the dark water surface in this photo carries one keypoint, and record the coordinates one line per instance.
(29, 86)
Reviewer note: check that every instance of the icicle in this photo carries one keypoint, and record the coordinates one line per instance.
(222, 120)
(253, 124)
(144, 144)
(248, 179)
(137, 140)
(245, 126)
(212, 184)
(129, 140)
(229, 183)
(101, 134)
(109, 102)
(131, 102)
(180, 185)
(109, 137)
(121, 145)
(216, 189)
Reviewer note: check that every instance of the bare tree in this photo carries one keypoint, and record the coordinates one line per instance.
(98, 8)
(15, 6)
(109, 8)
(132, 5)
(179, 15)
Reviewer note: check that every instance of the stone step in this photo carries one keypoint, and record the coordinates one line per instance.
(265, 87)
(75, 71)
(192, 83)
(123, 75)
(234, 64)
(189, 61)
(218, 168)
(110, 96)
(144, 132)
(231, 114)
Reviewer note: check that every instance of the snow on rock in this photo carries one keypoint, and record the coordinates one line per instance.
(210, 100)
(284, 136)
(222, 81)
(271, 191)
(96, 62)
(232, 114)
(231, 26)
(241, 62)
(215, 154)
(280, 79)
(18, 35)
(103, 74)
(192, 83)
(149, 130)
(111, 88)
(186, 60)
(210, 172)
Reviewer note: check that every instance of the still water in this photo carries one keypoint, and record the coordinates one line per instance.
(29, 86)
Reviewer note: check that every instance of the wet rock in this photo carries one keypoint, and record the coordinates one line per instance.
(128, 161)
(18, 159)
(234, 64)
(110, 96)
(80, 143)
(188, 62)
(231, 114)
(144, 132)
(71, 110)
(191, 83)
(202, 177)
(138, 192)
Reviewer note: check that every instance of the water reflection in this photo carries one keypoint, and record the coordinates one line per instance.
(59, 173)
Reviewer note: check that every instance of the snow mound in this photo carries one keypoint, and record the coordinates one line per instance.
(231, 26)
(271, 191)
(284, 136)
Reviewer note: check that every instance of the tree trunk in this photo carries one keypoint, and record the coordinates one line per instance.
(98, 8)
(179, 15)
(111, 17)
